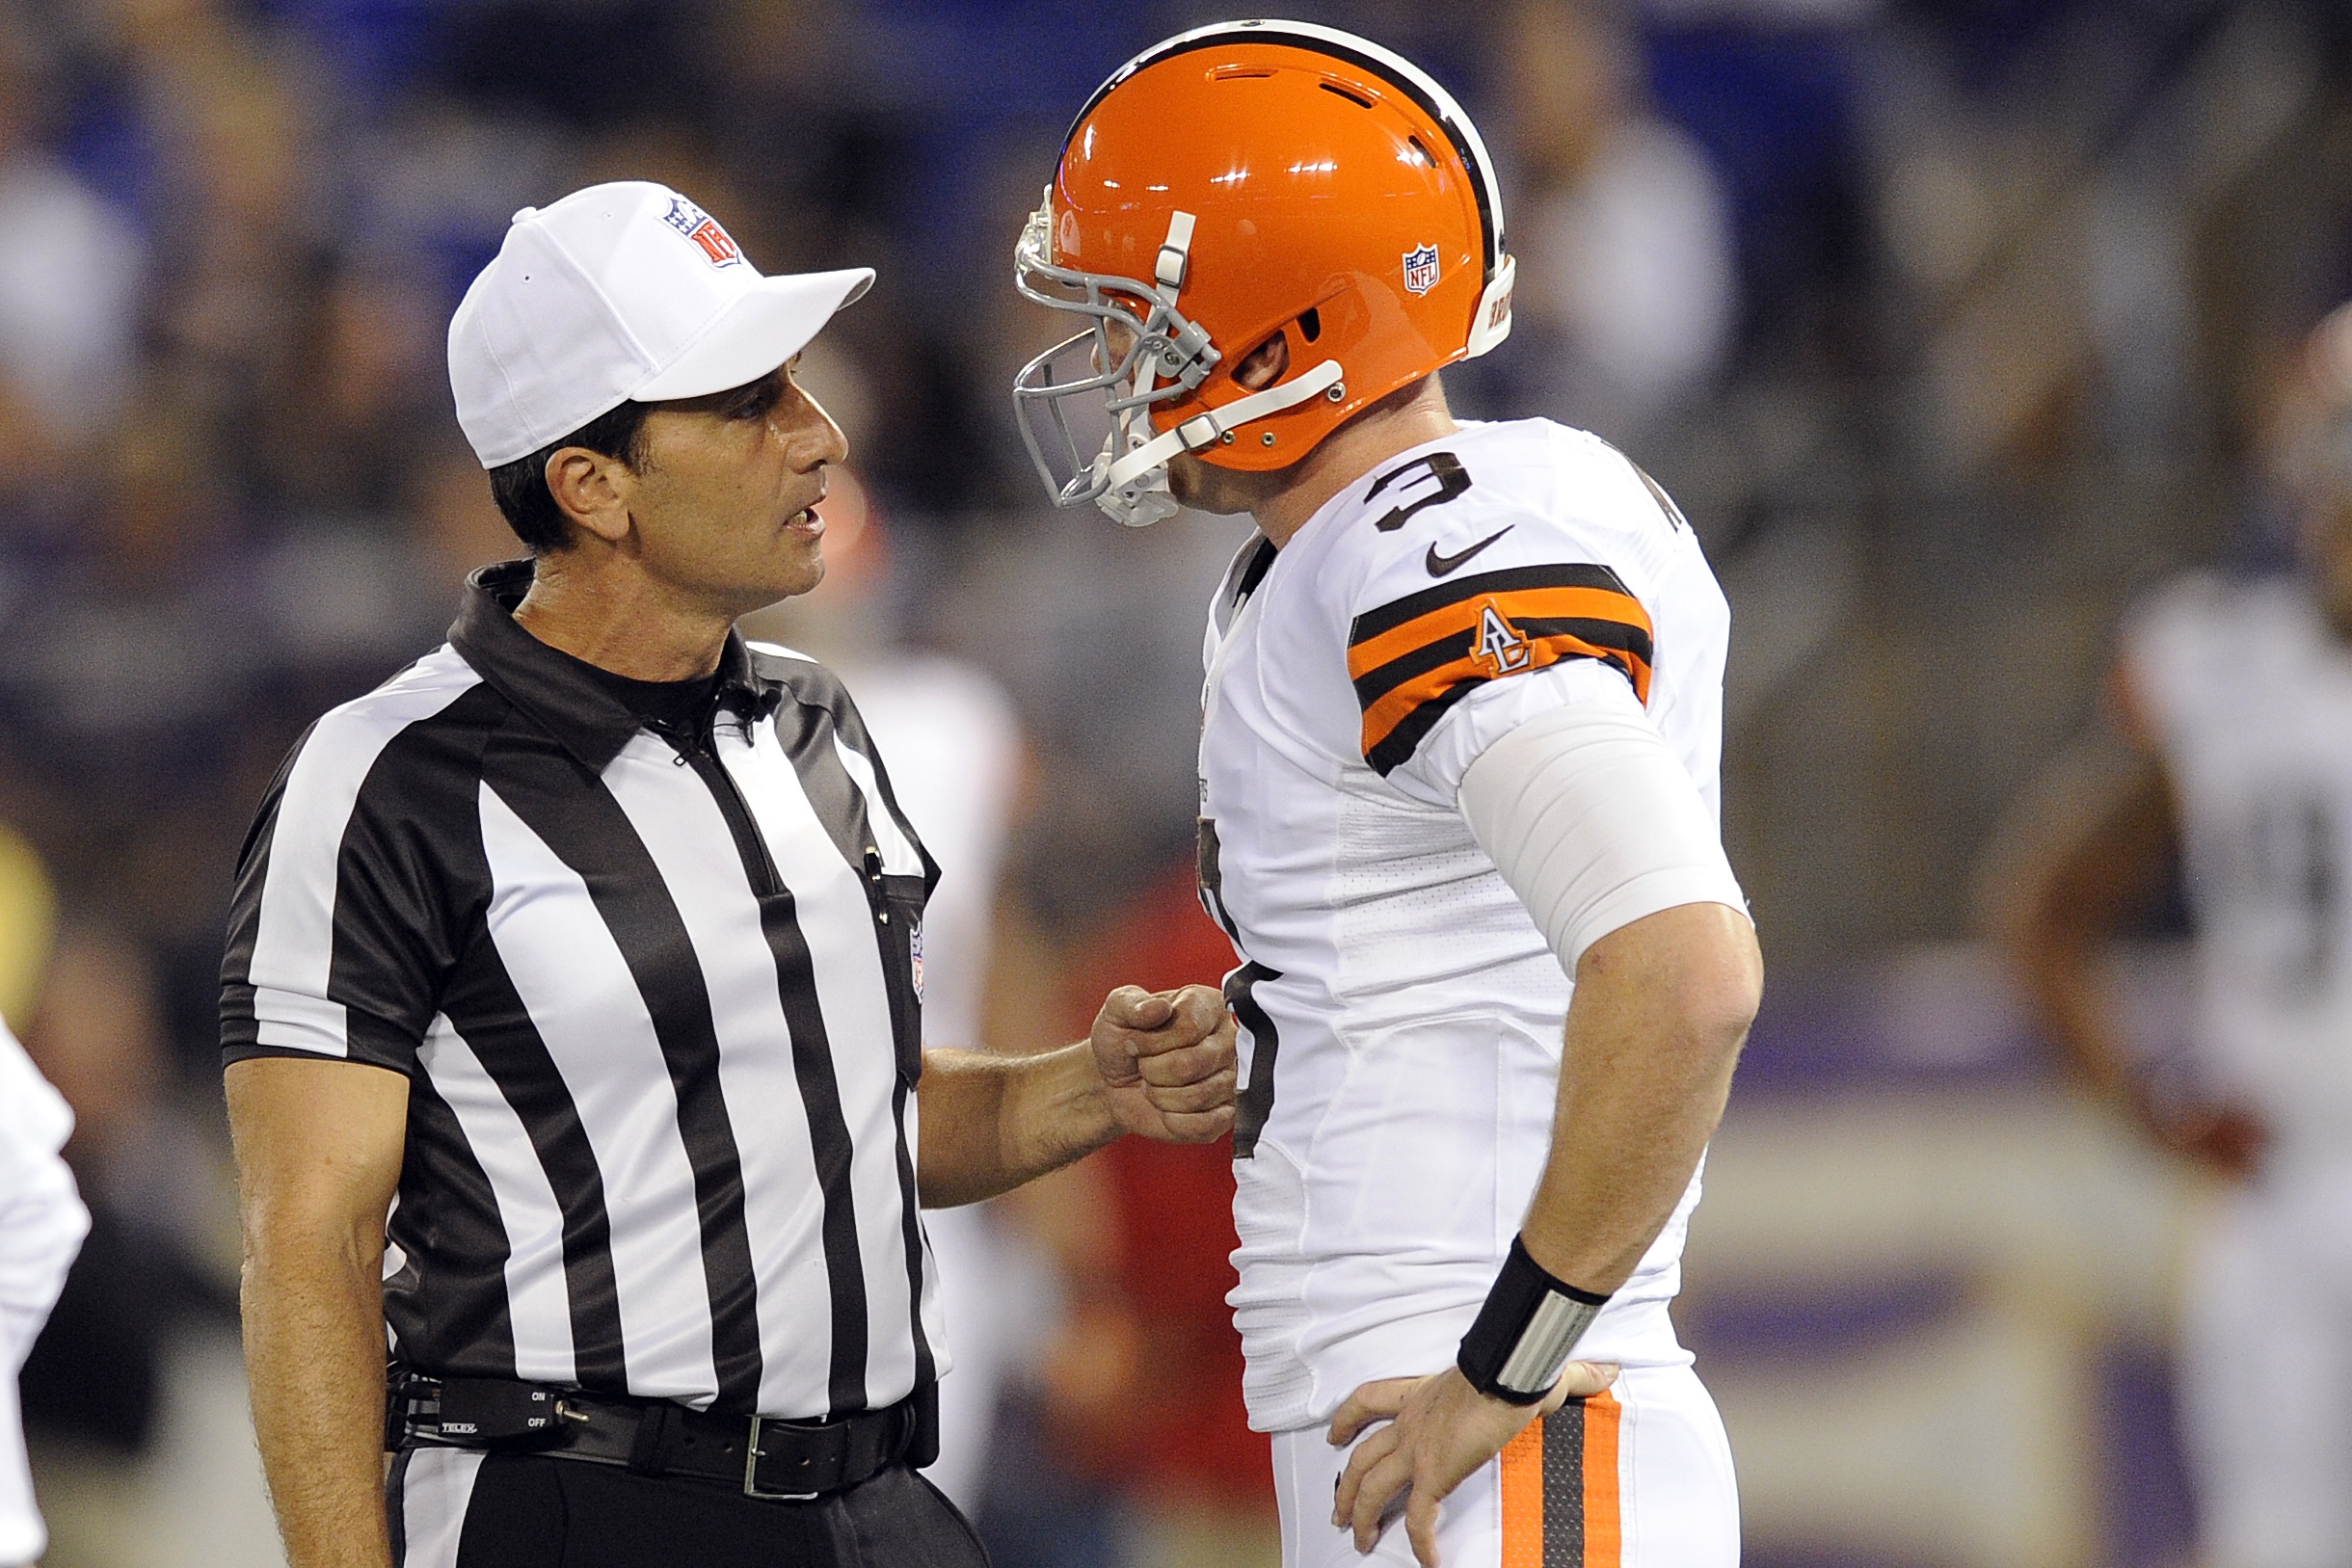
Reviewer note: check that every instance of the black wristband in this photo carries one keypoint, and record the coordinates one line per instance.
(1525, 1331)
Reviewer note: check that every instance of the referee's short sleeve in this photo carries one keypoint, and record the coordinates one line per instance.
(341, 928)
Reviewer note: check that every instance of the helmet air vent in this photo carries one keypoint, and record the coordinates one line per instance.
(1310, 324)
(1355, 95)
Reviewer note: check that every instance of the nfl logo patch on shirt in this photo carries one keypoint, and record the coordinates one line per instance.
(1421, 270)
(698, 226)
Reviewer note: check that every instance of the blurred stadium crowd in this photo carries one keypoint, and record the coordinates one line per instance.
(1952, 324)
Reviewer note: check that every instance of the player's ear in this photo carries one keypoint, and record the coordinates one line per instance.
(591, 490)
(1265, 365)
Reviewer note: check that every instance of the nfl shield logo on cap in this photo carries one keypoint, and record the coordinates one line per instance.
(1421, 270)
(698, 226)
(619, 291)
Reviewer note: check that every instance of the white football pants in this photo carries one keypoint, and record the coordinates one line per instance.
(1636, 1477)
(2266, 1368)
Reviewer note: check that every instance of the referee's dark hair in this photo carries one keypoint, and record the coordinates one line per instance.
(521, 487)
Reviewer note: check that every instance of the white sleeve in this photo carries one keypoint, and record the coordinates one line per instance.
(41, 1225)
(1594, 823)
(1434, 774)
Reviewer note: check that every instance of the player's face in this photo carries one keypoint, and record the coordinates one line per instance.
(725, 505)
(1222, 492)
(1204, 487)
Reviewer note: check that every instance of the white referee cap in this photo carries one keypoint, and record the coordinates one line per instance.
(620, 291)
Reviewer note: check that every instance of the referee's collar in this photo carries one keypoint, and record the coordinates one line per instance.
(592, 724)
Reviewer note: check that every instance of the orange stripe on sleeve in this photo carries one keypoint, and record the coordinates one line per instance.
(1523, 1498)
(1604, 1525)
(1412, 662)
(1462, 618)
(1383, 716)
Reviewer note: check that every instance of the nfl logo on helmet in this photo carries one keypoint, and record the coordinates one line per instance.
(1421, 270)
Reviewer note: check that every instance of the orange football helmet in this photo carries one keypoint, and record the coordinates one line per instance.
(1231, 183)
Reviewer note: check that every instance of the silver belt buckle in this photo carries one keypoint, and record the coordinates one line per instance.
(751, 1472)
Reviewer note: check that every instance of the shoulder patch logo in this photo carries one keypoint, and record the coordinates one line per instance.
(1499, 646)
(1421, 269)
(717, 245)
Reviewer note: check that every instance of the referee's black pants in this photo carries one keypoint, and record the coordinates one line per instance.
(458, 1508)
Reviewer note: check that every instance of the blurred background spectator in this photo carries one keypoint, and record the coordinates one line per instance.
(1952, 324)
(1627, 278)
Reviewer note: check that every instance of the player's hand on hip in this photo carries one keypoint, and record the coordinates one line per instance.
(1166, 1061)
(1440, 1431)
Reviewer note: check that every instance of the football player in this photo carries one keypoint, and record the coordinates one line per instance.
(1460, 737)
(2230, 760)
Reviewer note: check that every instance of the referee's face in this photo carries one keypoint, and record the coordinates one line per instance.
(725, 505)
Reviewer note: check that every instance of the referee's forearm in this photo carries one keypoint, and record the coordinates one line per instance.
(314, 1359)
(992, 1122)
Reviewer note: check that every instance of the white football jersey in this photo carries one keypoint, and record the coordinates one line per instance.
(1400, 1014)
(2250, 693)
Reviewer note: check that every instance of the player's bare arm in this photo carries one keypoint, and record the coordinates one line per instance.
(1160, 1065)
(1660, 1009)
(319, 1147)
(2090, 854)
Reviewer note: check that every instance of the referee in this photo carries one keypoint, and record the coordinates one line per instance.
(619, 921)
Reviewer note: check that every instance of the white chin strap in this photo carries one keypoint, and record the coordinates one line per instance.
(1136, 488)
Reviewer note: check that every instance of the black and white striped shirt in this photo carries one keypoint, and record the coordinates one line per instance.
(658, 1001)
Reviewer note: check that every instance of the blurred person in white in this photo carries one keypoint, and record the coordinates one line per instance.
(99, 1391)
(2229, 760)
(1628, 276)
(71, 268)
(958, 760)
(41, 1224)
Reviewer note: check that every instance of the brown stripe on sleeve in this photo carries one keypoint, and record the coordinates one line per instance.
(1411, 661)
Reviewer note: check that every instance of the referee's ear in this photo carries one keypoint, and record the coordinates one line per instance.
(591, 490)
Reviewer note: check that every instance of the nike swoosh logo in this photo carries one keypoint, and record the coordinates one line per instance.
(1440, 565)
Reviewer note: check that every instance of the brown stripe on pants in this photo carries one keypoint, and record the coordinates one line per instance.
(1560, 1489)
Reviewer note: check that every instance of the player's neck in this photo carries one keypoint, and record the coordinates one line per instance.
(1349, 453)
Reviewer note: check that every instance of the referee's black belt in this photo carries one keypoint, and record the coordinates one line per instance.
(785, 1460)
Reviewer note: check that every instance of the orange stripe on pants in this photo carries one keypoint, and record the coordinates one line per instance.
(1523, 1498)
(1577, 1447)
(1604, 1527)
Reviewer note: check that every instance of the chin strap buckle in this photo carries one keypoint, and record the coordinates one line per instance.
(1175, 257)
(1206, 427)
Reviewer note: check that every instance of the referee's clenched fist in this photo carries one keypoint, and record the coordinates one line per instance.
(588, 950)
(1168, 1059)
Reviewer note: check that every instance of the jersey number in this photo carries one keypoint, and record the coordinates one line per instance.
(1257, 1100)
(2295, 864)
(1442, 470)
